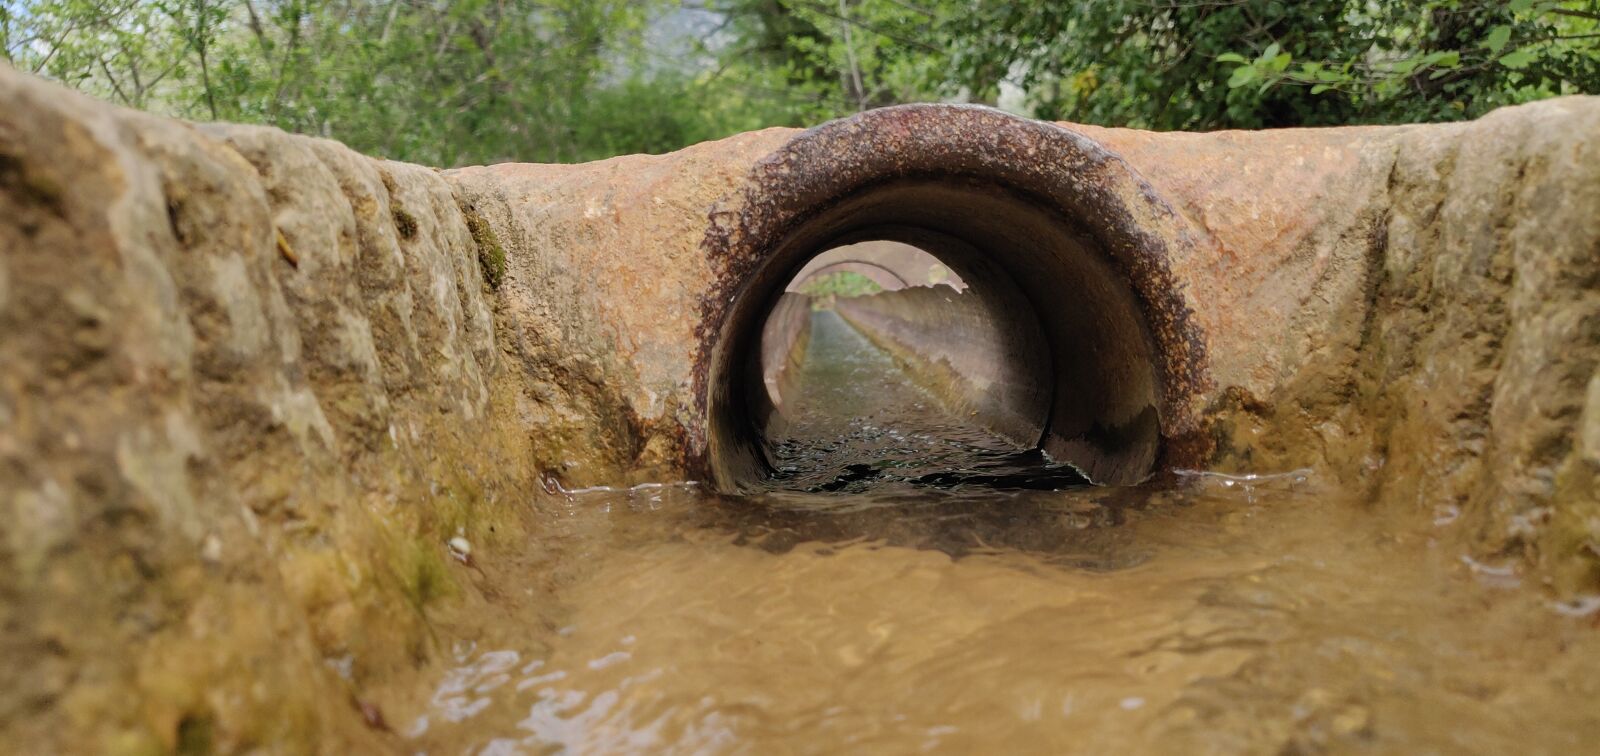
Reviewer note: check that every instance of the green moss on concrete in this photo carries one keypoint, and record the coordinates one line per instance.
(196, 735)
(425, 577)
(491, 256)
(405, 223)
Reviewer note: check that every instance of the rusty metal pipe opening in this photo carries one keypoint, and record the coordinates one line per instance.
(1064, 250)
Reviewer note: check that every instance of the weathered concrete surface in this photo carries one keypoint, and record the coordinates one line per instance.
(1412, 309)
(249, 386)
(250, 383)
(601, 300)
(1416, 308)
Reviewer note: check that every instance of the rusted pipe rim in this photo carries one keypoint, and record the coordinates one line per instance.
(1139, 233)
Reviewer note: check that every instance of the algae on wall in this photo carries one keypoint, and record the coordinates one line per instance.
(491, 256)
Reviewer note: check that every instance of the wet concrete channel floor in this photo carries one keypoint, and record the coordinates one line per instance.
(911, 584)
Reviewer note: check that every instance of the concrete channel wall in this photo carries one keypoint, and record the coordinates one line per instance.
(957, 349)
(250, 385)
(784, 341)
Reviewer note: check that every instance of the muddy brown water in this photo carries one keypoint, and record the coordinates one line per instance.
(911, 584)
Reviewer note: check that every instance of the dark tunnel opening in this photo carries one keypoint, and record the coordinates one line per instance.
(1048, 346)
(1044, 224)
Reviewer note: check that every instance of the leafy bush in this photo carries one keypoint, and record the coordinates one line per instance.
(473, 81)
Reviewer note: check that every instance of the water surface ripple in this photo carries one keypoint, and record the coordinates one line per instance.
(910, 584)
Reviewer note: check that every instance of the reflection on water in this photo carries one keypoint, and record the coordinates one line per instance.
(1201, 613)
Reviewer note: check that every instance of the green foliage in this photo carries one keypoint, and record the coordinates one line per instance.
(1441, 59)
(473, 81)
(843, 283)
(845, 56)
(444, 83)
(1199, 64)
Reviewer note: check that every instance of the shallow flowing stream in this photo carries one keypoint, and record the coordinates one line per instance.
(914, 584)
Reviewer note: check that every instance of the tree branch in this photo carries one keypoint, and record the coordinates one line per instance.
(257, 30)
(1571, 13)
(875, 30)
(115, 85)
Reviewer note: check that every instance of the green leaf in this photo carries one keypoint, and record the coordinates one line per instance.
(1280, 62)
(1241, 76)
(1517, 59)
(1497, 39)
(1518, 6)
(1231, 58)
(1320, 88)
(1449, 59)
(1272, 51)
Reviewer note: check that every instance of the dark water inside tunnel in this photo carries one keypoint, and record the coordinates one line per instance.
(910, 583)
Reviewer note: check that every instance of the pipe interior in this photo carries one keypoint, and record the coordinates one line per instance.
(1078, 378)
